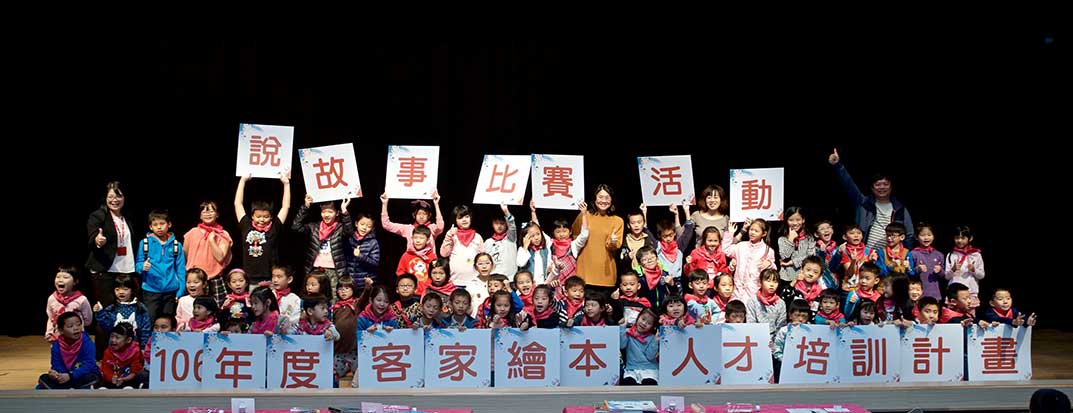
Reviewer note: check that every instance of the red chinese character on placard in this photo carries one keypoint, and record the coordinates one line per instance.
(507, 173)
(1000, 355)
(298, 365)
(331, 173)
(557, 181)
(268, 147)
(755, 196)
(588, 351)
(530, 365)
(922, 350)
(665, 178)
(746, 351)
(452, 365)
(411, 170)
(690, 355)
(234, 363)
(869, 356)
(391, 367)
(817, 365)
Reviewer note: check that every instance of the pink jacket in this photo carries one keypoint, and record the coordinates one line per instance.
(407, 230)
(747, 271)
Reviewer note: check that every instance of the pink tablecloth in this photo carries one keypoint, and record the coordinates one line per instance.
(764, 408)
(325, 410)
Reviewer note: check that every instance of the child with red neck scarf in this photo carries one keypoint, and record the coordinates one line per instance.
(497, 282)
(204, 319)
(808, 285)
(636, 237)
(162, 324)
(265, 310)
(596, 312)
(700, 306)
(958, 308)
(748, 259)
(409, 304)
(66, 298)
(503, 244)
(895, 257)
(571, 306)
(708, 256)
(326, 239)
(259, 231)
(965, 265)
(316, 321)
(196, 284)
(867, 287)
(829, 310)
(641, 345)
(675, 314)
(363, 251)
(290, 306)
(852, 255)
(928, 261)
(439, 284)
(629, 283)
(377, 312)
(768, 307)
(122, 361)
(236, 304)
(656, 283)
(534, 255)
(431, 313)
(794, 244)
(524, 288)
(422, 214)
(73, 363)
(316, 284)
(565, 250)
(826, 249)
(503, 314)
(544, 313)
(461, 245)
(1001, 311)
(345, 317)
(417, 262)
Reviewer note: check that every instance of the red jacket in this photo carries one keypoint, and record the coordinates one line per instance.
(110, 366)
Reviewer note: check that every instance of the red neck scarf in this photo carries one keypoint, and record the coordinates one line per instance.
(424, 253)
(499, 237)
(712, 260)
(831, 316)
(667, 320)
(669, 250)
(465, 236)
(811, 292)
(235, 298)
(652, 276)
(349, 302)
(195, 325)
(316, 330)
(69, 350)
(702, 300)
(266, 323)
(543, 314)
(767, 300)
(721, 302)
(561, 247)
(210, 228)
(632, 332)
(125, 355)
(965, 252)
(264, 228)
(586, 322)
(828, 246)
(527, 300)
(900, 253)
(281, 293)
(642, 301)
(64, 300)
(871, 295)
(572, 307)
(926, 250)
(1007, 314)
(359, 237)
(800, 237)
(855, 252)
(445, 289)
(376, 319)
(326, 230)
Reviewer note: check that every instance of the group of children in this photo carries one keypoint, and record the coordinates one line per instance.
(678, 276)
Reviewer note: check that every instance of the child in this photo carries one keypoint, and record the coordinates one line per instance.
(895, 257)
(503, 244)
(431, 310)
(73, 363)
(1001, 311)
(408, 305)
(236, 305)
(364, 261)
(417, 261)
(535, 253)
(316, 284)
(460, 307)
(965, 265)
(656, 283)
(641, 347)
(290, 306)
(808, 286)
(929, 262)
(497, 282)
(632, 303)
(794, 244)
(422, 213)
(748, 259)
(162, 324)
(675, 314)
(928, 307)
(896, 305)
(867, 283)
(439, 283)
(958, 306)
(564, 250)
(316, 321)
(827, 250)
(265, 311)
(345, 314)
(235, 326)
(916, 289)
(768, 307)
(161, 264)
(208, 246)
(204, 319)
(570, 307)
(259, 231)
(478, 286)
(503, 314)
(461, 245)
(326, 244)
(798, 314)
(376, 311)
(638, 237)
(852, 255)
(523, 288)
(708, 256)
(671, 246)
(196, 281)
(736, 312)
(544, 314)
(866, 314)
(596, 311)
(829, 312)
(126, 309)
(700, 306)
(66, 298)
(122, 361)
